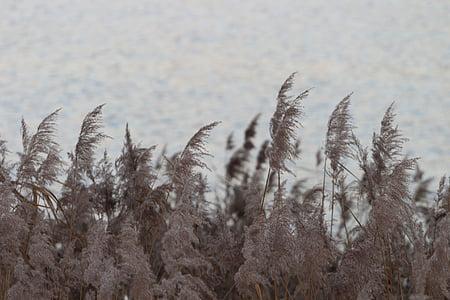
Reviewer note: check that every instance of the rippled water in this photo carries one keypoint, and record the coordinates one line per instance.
(168, 67)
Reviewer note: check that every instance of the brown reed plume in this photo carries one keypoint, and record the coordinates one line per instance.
(284, 122)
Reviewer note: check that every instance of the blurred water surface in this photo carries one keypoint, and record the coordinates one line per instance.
(168, 67)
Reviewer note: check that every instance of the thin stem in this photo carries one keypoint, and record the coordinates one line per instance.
(265, 190)
(279, 180)
(323, 184)
(258, 291)
(350, 172)
(354, 217)
(287, 295)
(229, 291)
(332, 207)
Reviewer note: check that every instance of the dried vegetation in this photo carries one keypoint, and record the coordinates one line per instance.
(143, 228)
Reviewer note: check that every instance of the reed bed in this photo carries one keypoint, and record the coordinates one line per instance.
(148, 226)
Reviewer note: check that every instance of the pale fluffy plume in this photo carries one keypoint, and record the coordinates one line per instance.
(40, 157)
(387, 145)
(89, 138)
(135, 172)
(283, 125)
(191, 157)
(339, 133)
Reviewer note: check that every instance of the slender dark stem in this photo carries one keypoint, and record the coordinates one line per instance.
(287, 295)
(350, 172)
(279, 180)
(332, 207)
(354, 217)
(323, 184)
(265, 190)
(229, 291)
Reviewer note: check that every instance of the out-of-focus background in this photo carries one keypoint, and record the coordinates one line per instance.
(168, 67)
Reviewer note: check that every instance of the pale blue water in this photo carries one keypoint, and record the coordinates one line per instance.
(168, 67)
